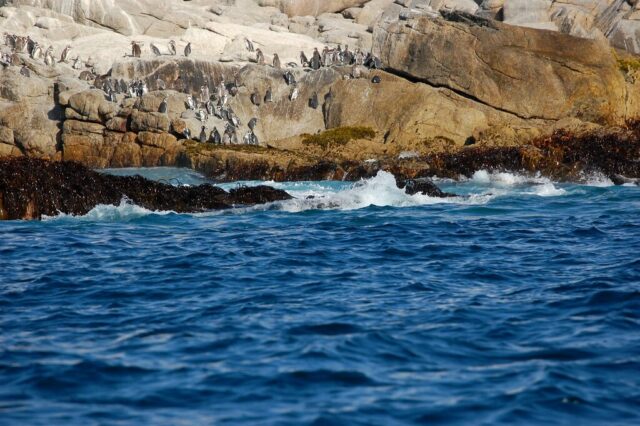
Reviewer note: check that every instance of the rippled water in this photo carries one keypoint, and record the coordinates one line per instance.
(518, 304)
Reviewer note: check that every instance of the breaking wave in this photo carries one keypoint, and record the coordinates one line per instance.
(379, 191)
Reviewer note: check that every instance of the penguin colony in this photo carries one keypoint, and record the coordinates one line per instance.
(211, 101)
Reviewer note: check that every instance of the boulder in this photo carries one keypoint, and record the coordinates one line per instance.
(149, 122)
(91, 105)
(521, 71)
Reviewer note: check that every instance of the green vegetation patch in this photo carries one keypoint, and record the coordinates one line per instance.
(338, 137)
(628, 65)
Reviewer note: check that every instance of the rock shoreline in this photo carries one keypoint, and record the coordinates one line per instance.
(31, 188)
(459, 92)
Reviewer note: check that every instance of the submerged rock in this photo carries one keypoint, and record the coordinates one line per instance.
(31, 188)
(422, 186)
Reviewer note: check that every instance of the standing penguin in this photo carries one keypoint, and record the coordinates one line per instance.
(294, 94)
(187, 50)
(289, 78)
(215, 138)
(268, 96)
(155, 50)
(313, 101)
(255, 97)
(48, 57)
(203, 135)
(276, 61)
(252, 123)
(316, 59)
(304, 62)
(163, 106)
(136, 49)
(172, 47)
(191, 104)
(186, 133)
(65, 53)
(248, 44)
(24, 71)
(259, 57)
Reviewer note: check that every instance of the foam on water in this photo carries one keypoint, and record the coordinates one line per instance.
(125, 211)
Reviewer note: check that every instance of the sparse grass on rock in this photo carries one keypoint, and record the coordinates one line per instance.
(338, 137)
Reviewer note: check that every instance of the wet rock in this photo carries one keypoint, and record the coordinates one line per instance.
(422, 186)
(65, 187)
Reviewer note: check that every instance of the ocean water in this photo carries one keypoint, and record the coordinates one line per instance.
(518, 303)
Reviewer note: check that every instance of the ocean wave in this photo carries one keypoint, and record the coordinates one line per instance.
(126, 210)
(379, 191)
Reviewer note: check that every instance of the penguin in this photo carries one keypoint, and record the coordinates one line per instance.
(160, 85)
(325, 106)
(201, 116)
(65, 54)
(190, 103)
(187, 50)
(315, 59)
(248, 45)
(48, 57)
(215, 138)
(358, 57)
(36, 51)
(163, 106)
(155, 50)
(226, 138)
(356, 72)
(248, 138)
(232, 89)
(230, 136)
(112, 96)
(172, 47)
(255, 97)
(313, 101)
(209, 107)
(326, 57)
(268, 96)
(77, 64)
(289, 78)
(205, 95)
(376, 80)
(186, 133)
(136, 49)
(203, 135)
(276, 61)
(304, 62)
(259, 57)
(233, 118)
(252, 123)
(294, 94)
(25, 71)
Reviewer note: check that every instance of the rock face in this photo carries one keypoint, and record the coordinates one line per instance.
(62, 187)
(311, 7)
(449, 78)
(521, 71)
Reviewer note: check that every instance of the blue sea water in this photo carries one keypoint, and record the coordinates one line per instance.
(516, 304)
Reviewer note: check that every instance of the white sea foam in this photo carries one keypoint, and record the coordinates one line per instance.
(380, 191)
(598, 180)
(126, 210)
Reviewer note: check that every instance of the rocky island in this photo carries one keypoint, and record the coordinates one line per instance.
(314, 90)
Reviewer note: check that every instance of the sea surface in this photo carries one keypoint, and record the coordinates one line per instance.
(517, 303)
